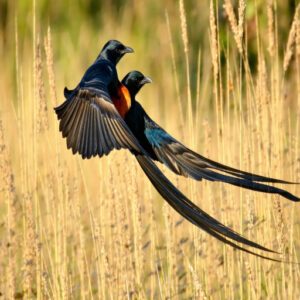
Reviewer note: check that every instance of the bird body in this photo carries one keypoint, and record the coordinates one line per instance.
(136, 120)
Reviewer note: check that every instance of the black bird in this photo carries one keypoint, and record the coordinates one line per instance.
(162, 147)
(91, 116)
(92, 120)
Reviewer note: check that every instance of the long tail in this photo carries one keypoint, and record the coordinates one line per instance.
(186, 162)
(239, 173)
(193, 213)
(208, 174)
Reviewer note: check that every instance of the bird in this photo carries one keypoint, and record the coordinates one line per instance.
(162, 147)
(92, 119)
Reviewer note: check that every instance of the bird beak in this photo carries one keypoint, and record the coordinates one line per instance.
(146, 80)
(128, 50)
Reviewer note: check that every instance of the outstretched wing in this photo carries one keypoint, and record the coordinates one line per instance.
(92, 125)
(186, 162)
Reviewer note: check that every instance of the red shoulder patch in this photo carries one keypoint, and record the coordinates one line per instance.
(122, 101)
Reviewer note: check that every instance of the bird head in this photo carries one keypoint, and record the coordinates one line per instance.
(134, 81)
(114, 50)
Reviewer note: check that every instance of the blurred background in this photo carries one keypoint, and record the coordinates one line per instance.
(74, 229)
(79, 30)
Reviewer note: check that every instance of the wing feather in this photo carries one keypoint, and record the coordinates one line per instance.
(92, 125)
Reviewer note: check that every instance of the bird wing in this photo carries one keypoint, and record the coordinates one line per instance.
(92, 125)
(186, 162)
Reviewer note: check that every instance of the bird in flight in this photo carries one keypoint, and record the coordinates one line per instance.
(101, 114)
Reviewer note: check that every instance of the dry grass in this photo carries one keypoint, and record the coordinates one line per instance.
(96, 229)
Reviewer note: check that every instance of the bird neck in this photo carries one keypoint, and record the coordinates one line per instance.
(132, 95)
(110, 56)
(133, 90)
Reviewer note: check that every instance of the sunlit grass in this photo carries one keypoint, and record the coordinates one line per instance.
(72, 228)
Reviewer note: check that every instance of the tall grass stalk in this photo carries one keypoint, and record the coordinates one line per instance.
(97, 229)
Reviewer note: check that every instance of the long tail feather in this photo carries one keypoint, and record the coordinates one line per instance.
(251, 185)
(239, 173)
(193, 213)
(200, 172)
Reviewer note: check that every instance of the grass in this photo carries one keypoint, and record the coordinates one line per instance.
(74, 229)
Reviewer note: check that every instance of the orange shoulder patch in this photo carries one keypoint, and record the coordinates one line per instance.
(123, 101)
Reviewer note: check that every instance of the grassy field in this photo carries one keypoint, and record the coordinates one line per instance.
(226, 81)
